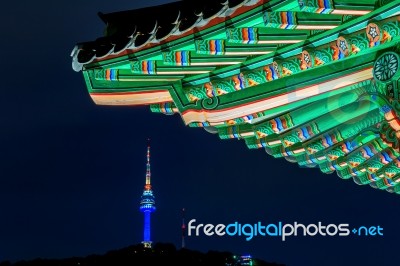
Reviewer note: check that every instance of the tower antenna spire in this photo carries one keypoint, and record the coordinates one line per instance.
(147, 202)
(148, 173)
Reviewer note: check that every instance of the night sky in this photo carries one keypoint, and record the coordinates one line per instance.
(71, 172)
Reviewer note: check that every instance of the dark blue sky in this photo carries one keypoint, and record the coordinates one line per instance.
(71, 172)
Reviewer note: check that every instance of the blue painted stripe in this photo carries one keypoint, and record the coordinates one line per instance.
(305, 132)
(168, 108)
(217, 47)
(313, 159)
(348, 146)
(182, 58)
(263, 143)
(387, 157)
(185, 60)
(289, 18)
(234, 131)
(335, 165)
(279, 124)
(113, 75)
(252, 37)
(374, 177)
(241, 82)
(368, 151)
(272, 70)
(329, 140)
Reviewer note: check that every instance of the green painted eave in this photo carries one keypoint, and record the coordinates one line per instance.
(287, 84)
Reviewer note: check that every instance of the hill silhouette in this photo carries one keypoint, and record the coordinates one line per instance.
(160, 254)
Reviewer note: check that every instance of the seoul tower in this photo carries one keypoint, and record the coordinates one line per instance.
(147, 203)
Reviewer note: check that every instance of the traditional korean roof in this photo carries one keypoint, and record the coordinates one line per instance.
(134, 29)
(311, 81)
(129, 31)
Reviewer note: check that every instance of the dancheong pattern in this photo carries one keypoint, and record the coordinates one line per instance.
(313, 81)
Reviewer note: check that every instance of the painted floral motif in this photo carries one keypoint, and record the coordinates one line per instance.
(386, 66)
(373, 34)
(307, 58)
(343, 46)
(306, 61)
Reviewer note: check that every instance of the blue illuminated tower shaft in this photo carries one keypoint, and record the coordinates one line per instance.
(147, 204)
(146, 232)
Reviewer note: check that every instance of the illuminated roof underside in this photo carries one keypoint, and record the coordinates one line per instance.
(312, 81)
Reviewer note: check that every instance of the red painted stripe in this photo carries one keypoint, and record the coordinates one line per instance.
(321, 4)
(274, 125)
(284, 18)
(144, 67)
(245, 34)
(178, 58)
(284, 124)
(397, 120)
(212, 46)
(334, 140)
